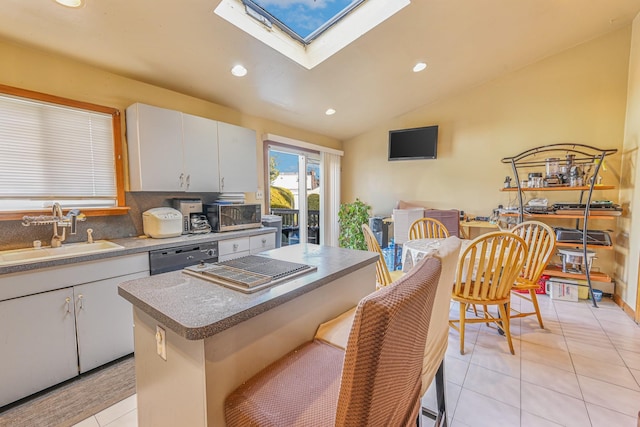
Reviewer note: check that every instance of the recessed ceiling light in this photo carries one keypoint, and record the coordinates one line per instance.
(419, 67)
(330, 112)
(239, 71)
(71, 3)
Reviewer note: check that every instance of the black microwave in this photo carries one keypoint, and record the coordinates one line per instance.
(231, 217)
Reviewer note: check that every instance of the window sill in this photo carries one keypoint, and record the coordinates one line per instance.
(17, 215)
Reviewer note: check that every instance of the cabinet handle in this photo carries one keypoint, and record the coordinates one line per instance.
(188, 181)
(181, 180)
(235, 247)
(222, 184)
(80, 301)
(68, 301)
(264, 241)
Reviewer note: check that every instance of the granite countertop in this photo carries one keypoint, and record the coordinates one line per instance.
(196, 309)
(134, 245)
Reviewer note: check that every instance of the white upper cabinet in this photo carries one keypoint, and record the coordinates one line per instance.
(200, 145)
(154, 136)
(238, 163)
(173, 151)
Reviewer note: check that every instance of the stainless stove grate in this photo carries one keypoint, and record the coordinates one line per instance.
(250, 273)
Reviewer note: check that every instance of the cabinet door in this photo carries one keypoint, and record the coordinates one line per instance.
(104, 322)
(200, 146)
(37, 342)
(263, 242)
(233, 248)
(154, 138)
(238, 163)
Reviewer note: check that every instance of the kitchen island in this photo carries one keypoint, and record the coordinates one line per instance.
(216, 337)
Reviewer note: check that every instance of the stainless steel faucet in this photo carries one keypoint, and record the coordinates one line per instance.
(68, 220)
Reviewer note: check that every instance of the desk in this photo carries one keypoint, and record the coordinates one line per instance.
(466, 227)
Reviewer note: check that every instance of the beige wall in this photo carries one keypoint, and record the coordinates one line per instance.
(579, 95)
(35, 70)
(628, 255)
(576, 96)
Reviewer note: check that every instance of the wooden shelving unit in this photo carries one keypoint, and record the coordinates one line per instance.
(560, 216)
(595, 276)
(561, 188)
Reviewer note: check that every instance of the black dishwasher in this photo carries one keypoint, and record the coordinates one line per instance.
(179, 257)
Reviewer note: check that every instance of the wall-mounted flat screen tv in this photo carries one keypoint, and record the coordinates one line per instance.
(416, 143)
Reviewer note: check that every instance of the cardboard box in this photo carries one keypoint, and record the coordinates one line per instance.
(562, 291)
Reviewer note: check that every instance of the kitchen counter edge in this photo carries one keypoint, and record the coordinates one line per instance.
(133, 245)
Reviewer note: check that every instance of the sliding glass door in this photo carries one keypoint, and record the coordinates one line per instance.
(294, 192)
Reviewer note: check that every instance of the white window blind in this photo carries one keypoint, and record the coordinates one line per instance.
(53, 152)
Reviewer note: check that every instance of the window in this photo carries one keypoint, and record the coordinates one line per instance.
(307, 31)
(303, 21)
(56, 149)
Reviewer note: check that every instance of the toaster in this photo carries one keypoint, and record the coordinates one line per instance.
(160, 223)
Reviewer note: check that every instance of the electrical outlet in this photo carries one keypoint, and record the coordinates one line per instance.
(161, 345)
(259, 195)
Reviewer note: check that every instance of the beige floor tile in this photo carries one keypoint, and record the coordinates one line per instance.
(631, 358)
(455, 370)
(497, 360)
(493, 384)
(130, 419)
(636, 374)
(545, 338)
(116, 411)
(547, 356)
(477, 410)
(530, 420)
(614, 374)
(610, 396)
(491, 338)
(603, 417)
(89, 422)
(604, 352)
(631, 343)
(552, 378)
(551, 405)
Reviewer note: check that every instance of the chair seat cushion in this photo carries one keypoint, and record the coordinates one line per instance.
(300, 389)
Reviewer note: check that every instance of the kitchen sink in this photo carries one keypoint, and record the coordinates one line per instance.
(21, 256)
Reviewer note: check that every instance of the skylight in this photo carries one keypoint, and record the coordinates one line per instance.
(307, 31)
(303, 20)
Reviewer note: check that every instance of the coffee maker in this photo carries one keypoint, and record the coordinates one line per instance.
(188, 208)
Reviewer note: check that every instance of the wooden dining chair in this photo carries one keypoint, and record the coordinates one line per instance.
(375, 381)
(541, 244)
(384, 277)
(427, 228)
(487, 269)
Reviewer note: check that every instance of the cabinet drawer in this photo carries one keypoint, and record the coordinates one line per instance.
(19, 284)
(233, 246)
(262, 242)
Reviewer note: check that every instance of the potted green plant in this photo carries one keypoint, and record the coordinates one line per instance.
(351, 216)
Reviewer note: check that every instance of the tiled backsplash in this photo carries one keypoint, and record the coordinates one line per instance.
(14, 235)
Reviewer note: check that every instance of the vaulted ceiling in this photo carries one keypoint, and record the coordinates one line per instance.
(186, 47)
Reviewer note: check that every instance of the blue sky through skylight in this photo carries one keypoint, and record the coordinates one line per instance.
(304, 16)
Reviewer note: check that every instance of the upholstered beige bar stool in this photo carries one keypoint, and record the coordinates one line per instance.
(336, 331)
(376, 381)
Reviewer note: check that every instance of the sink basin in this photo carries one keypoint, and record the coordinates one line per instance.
(21, 256)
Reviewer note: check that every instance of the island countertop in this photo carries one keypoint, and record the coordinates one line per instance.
(196, 309)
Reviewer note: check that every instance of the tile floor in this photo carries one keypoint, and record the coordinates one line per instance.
(582, 370)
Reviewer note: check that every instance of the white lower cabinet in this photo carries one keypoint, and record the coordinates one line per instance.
(104, 322)
(263, 242)
(56, 323)
(37, 343)
(236, 248)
